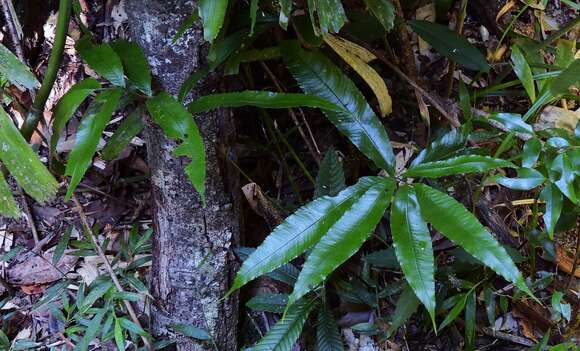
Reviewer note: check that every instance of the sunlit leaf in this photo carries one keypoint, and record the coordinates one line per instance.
(89, 132)
(451, 45)
(563, 174)
(300, 231)
(23, 163)
(135, 64)
(67, 105)
(103, 59)
(459, 225)
(448, 143)
(457, 165)
(523, 71)
(344, 237)
(318, 76)
(554, 203)
(512, 122)
(413, 248)
(358, 57)
(263, 99)
(212, 13)
(531, 152)
(527, 179)
(178, 124)
(284, 334)
(15, 71)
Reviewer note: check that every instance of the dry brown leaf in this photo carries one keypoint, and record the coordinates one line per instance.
(39, 270)
(557, 117)
(425, 13)
(565, 261)
(32, 289)
(262, 205)
(505, 9)
(358, 57)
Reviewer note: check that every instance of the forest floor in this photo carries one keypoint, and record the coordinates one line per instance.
(46, 250)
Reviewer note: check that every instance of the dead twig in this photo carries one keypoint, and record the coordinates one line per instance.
(108, 266)
(506, 337)
(311, 144)
(429, 97)
(14, 28)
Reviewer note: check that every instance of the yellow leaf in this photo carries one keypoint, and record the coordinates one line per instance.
(505, 9)
(358, 57)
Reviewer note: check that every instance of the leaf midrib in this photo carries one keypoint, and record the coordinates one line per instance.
(413, 248)
(291, 239)
(304, 64)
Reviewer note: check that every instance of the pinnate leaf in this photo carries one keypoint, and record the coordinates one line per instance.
(318, 76)
(89, 132)
(413, 248)
(178, 124)
(284, 334)
(459, 225)
(330, 179)
(327, 332)
(300, 231)
(344, 237)
(23, 164)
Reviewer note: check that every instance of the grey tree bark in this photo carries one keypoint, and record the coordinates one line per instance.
(193, 262)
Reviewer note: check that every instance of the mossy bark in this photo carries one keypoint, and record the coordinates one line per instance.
(193, 262)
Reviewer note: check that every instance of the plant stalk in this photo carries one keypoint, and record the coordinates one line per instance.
(37, 109)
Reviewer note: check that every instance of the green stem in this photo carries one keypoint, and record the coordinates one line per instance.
(35, 113)
(568, 27)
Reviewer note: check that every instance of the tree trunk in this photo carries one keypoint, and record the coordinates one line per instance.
(193, 263)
